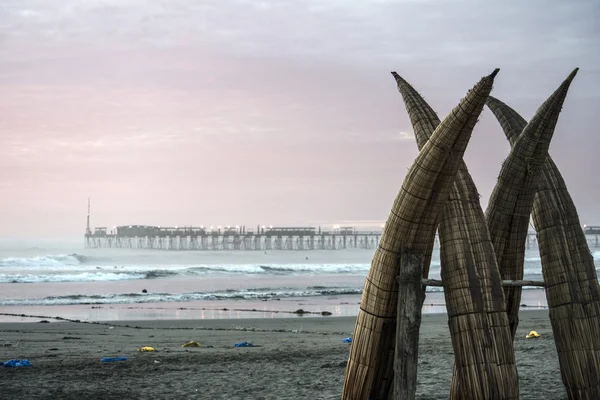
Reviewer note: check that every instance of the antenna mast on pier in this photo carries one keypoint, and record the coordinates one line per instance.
(87, 229)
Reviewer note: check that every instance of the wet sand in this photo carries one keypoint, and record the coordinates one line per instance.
(337, 305)
(296, 358)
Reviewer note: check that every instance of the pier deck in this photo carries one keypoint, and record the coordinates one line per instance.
(238, 238)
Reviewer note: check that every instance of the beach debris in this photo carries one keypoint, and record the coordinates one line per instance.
(242, 328)
(111, 327)
(44, 321)
(191, 343)
(297, 330)
(243, 344)
(341, 364)
(146, 348)
(347, 340)
(113, 359)
(532, 335)
(71, 338)
(326, 313)
(156, 362)
(17, 363)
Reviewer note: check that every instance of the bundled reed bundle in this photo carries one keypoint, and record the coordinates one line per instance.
(411, 225)
(572, 287)
(481, 338)
(510, 204)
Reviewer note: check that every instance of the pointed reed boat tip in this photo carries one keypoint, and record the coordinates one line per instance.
(572, 74)
(564, 86)
(493, 74)
(398, 77)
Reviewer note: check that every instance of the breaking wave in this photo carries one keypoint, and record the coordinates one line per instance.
(136, 298)
(78, 277)
(44, 261)
(90, 273)
(77, 268)
(140, 298)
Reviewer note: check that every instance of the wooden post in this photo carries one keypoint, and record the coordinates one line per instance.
(410, 301)
(513, 283)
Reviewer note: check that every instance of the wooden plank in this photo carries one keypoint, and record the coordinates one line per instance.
(410, 301)
(523, 283)
(437, 282)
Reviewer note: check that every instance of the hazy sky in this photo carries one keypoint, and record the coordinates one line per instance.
(174, 112)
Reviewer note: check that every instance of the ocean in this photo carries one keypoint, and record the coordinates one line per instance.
(61, 279)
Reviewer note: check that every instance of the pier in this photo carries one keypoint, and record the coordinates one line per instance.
(239, 238)
(230, 238)
(211, 238)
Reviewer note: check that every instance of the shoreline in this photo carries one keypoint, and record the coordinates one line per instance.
(295, 358)
(338, 306)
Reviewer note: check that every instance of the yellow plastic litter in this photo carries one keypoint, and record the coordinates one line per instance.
(532, 335)
(191, 343)
(146, 348)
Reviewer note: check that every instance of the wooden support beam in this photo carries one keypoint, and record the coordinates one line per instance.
(437, 282)
(524, 283)
(410, 302)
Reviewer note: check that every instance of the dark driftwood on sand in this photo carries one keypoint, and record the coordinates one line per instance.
(410, 300)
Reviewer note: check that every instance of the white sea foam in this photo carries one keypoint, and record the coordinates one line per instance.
(276, 268)
(249, 294)
(28, 272)
(135, 298)
(43, 261)
(76, 277)
(533, 259)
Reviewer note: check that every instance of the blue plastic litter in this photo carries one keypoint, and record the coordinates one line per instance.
(17, 363)
(244, 344)
(113, 359)
(347, 340)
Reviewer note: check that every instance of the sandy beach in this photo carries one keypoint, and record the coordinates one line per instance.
(294, 358)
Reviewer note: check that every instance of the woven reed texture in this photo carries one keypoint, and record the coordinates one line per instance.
(481, 338)
(411, 225)
(572, 285)
(511, 202)
(422, 117)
